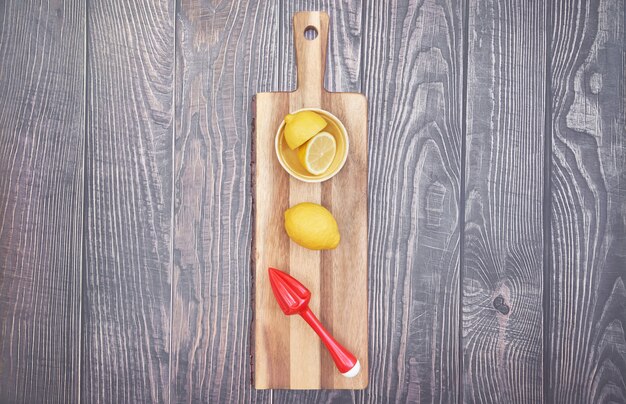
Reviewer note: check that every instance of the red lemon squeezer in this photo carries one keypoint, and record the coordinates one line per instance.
(293, 298)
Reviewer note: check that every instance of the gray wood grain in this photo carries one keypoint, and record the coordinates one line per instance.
(503, 242)
(126, 283)
(226, 52)
(587, 347)
(412, 71)
(125, 204)
(41, 198)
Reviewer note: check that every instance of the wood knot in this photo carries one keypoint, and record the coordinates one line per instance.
(499, 305)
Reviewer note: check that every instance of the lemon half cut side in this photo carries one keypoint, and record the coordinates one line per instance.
(317, 154)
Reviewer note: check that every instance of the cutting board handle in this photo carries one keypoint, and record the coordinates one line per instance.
(311, 53)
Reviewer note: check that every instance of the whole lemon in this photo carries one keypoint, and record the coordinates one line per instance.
(302, 126)
(312, 226)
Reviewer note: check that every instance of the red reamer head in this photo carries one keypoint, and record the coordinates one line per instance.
(291, 295)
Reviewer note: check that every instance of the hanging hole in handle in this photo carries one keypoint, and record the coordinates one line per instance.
(310, 33)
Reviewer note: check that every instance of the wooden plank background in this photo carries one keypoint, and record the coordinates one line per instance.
(586, 347)
(42, 141)
(503, 230)
(128, 205)
(497, 238)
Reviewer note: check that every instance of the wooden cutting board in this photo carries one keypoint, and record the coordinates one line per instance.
(286, 353)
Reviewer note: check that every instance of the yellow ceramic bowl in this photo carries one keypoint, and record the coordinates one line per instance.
(289, 158)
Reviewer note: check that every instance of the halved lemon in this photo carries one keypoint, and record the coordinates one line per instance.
(317, 154)
(302, 126)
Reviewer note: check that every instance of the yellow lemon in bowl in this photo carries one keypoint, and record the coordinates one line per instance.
(302, 126)
(318, 153)
(312, 226)
(292, 159)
